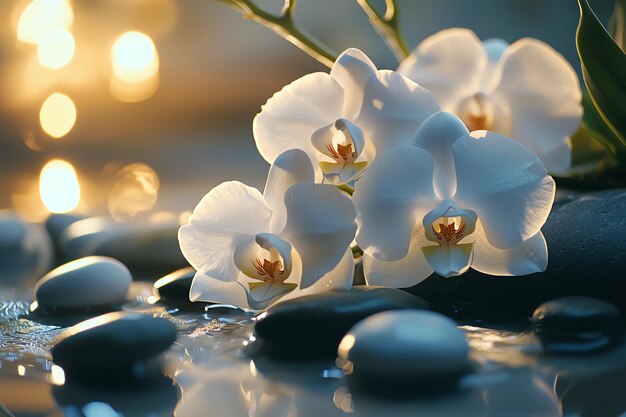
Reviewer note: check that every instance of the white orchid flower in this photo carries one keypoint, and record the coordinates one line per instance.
(343, 119)
(526, 91)
(455, 200)
(252, 250)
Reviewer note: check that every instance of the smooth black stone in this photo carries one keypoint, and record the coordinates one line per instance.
(172, 290)
(176, 285)
(153, 397)
(57, 223)
(114, 346)
(577, 324)
(313, 326)
(586, 257)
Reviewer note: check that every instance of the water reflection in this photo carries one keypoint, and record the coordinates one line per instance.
(216, 378)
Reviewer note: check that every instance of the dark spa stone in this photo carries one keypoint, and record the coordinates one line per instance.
(91, 282)
(422, 350)
(313, 326)
(114, 346)
(175, 286)
(57, 223)
(577, 324)
(148, 250)
(586, 257)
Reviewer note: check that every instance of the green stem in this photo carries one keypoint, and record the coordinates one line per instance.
(387, 26)
(283, 24)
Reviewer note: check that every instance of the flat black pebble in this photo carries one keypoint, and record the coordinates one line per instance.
(312, 327)
(113, 346)
(175, 285)
(577, 324)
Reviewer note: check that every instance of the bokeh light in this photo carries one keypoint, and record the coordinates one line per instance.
(57, 49)
(135, 63)
(135, 191)
(57, 115)
(134, 57)
(40, 17)
(58, 186)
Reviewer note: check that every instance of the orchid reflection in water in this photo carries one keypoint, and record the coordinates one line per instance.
(526, 91)
(456, 200)
(343, 119)
(252, 250)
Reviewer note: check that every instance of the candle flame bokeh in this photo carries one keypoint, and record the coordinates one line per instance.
(59, 188)
(57, 115)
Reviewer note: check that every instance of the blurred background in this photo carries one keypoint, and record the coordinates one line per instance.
(129, 106)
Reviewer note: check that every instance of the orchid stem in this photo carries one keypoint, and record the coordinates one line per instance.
(284, 25)
(387, 26)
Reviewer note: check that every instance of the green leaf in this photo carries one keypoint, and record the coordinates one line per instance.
(604, 71)
(617, 24)
(593, 124)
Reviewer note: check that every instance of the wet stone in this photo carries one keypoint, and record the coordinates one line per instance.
(91, 282)
(114, 347)
(311, 327)
(577, 324)
(57, 223)
(175, 286)
(25, 250)
(393, 350)
(147, 249)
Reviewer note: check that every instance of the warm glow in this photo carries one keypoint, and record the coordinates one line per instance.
(57, 115)
(135, 191)
(135, 67)
(134, 57)
(58, 186)
(41, 17)
(56, 49)
(57, 376)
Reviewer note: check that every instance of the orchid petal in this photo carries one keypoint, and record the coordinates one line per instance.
(340, 277)
(542, 92)
(527, 258)
(290, 117)
(338, 173)
(403, 273)
(448, 63)
(449, 260)
(212, 290)
(437, 135)
(505, 184)
(289, 168)
(495, 48)
(395, 191)
(320, 226)
(393, 109)
(351, 70)
(229, 214)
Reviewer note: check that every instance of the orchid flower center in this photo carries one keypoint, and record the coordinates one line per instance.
(477, 112)
(268, 259)
(272, 271)
(447, 226)
(340, 146)
(449, 229)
